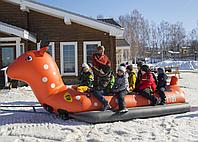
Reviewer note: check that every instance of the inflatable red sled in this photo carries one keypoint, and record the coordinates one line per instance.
(39, 70)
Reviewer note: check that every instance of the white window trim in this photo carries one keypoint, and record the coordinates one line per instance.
(76, 58)
(17, 43)
(53, 48)
(13, 44)
(85, 49)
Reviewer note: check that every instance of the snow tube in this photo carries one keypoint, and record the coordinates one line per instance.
(133, 113)
(39, 70)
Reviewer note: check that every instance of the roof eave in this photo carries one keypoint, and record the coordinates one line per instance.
(9, 29)
(86, 21)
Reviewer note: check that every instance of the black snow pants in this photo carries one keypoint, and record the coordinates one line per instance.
(121, 102)
(99, 94)
(148, 94)
(162, 95)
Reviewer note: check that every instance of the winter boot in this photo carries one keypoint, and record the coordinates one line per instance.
(106, 106)
(125, 110)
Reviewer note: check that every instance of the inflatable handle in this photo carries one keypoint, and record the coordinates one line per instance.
(174, 80)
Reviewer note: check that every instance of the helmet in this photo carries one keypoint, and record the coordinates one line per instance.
(122, 68)
(85, 66)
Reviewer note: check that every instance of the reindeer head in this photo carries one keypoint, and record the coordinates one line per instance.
(31, 65)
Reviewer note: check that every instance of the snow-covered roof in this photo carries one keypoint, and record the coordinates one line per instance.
(122, 43)
(10, 29)
(172, 52)
(69, 17)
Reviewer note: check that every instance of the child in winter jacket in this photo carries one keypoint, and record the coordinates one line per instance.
(120, 88)
(147, 85)
(86, 78)
(131, 78)
(161, 86)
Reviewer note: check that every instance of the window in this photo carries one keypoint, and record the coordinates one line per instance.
(51, 49)
(7, 55)
(90, 47)
(125, 54)
(69, 61)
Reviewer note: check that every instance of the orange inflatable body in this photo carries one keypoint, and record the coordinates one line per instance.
(39, 70)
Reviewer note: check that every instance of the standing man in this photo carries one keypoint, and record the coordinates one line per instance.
(100, 60)
(101, 64)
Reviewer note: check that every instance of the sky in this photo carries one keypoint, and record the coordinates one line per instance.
(173, 11)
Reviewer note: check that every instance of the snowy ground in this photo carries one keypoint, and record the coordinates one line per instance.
(183, 65)
(36, 127)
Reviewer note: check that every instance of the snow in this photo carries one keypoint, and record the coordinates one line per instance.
(44, 127)
(183, 65)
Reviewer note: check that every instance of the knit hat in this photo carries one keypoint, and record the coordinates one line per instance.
(85, 66)
(129, 67)
(139, 64)
(121, 68)
(100, 48)
(145, 68)
(160, 70)
(123, 64)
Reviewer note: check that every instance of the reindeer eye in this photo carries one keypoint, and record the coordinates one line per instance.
(28, 58)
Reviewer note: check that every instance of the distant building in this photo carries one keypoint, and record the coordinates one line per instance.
(122, 51)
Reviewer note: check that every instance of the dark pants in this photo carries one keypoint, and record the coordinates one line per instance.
(162, 94)
(121, 102)
(99, 94)
(148, 94)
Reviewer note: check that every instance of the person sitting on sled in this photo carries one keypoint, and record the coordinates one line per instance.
(120, 88)
(147, 85)
(131, 77)
(161, 85)
(104, 87)
(101, 63)
(86, 78)
(139, 75)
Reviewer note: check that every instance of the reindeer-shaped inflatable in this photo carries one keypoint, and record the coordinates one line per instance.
(39, 70)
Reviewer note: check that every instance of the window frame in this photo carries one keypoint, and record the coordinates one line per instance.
(85, 43)
(76, 58)
(53, 48)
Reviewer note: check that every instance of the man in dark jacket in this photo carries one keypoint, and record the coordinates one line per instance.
(120, 88)
(139, 75)
(161, 85)
(103, 88)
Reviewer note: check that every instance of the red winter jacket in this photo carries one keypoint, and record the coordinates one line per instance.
(147, 81)
(100, 60)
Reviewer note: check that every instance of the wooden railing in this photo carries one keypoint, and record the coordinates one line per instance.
(172, 70)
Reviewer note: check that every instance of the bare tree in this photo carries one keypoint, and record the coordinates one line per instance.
(144, 36)
(177, 33)
(136, 32)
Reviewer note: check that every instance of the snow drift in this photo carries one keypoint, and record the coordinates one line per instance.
(183, 65)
